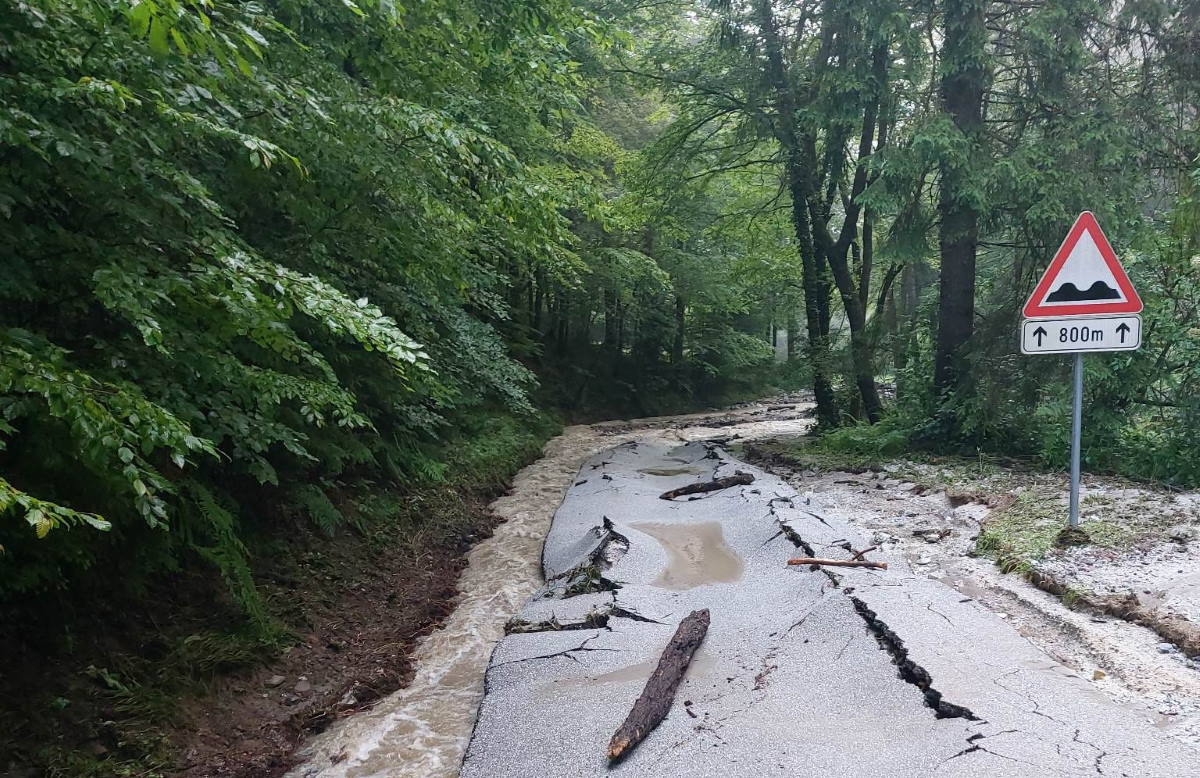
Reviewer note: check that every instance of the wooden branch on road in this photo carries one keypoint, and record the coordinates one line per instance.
(656, 698)
(804, 560)
(737, 479)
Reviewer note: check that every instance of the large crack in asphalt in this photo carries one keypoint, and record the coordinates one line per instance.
(569, 653)
(908, 670)
(596, 618)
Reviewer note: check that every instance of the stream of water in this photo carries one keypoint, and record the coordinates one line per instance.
(421, 731)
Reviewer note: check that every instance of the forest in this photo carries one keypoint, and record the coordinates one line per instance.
(270, 271)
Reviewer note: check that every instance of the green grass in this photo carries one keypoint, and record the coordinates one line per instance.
(1023, 532)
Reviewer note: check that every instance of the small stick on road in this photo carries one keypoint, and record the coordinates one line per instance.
(839, 562)
(737, 479)
(655, 701)
(863, 553)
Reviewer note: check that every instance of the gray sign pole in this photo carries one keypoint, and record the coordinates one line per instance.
(1076, 423)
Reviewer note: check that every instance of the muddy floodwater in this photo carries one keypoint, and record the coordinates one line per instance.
(696, 554)
(421, 731)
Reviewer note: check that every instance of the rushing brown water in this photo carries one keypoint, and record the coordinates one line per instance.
(422, 731)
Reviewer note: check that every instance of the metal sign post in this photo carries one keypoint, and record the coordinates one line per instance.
(1076, 434)
(1083, 302)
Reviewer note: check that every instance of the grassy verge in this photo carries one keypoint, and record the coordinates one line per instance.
(1028, 509)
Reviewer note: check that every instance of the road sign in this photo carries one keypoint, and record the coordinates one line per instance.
(1076, 307)
(1084, 278)
(1081, 333)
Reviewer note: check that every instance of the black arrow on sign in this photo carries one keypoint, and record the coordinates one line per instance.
(1124, 330)
(1039, 333)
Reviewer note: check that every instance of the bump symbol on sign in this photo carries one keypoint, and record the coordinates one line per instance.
(1085, 277)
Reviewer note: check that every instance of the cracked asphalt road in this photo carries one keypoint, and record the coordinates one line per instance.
(803, 672)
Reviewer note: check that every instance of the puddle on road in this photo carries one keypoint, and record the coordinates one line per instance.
(669, 471)
(696, 554)
(639, 672)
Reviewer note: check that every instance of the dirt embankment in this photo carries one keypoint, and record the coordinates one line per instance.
(169, 683)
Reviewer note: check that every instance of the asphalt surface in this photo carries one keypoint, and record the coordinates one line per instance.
(830, 672)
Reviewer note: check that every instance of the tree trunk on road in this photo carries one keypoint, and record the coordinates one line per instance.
(656, 698)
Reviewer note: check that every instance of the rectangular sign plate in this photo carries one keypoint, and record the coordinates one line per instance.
(1070, 334)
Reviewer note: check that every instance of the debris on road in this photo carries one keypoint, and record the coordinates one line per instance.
(737, 479)
(655, 700)
(838, 562)
(931, 535)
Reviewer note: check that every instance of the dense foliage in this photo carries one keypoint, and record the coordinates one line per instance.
(258, 255)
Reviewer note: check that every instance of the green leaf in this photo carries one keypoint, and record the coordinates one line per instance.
(158, 37)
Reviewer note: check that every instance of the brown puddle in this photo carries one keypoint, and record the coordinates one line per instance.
(696, 554)
(668, 471)
(700, 664)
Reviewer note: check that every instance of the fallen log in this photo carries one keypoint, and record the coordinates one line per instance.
(838, 562)
(655, 700)
(737, 479)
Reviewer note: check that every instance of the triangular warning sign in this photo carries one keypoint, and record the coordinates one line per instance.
(1084, 277)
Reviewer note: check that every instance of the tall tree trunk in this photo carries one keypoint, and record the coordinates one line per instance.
(891, 323)
(539, 299)
(963, 82)
(677, 344)
(793, 331)
(800, 187)
(562, 322)
(612, 327)
(622, 341)
(853, 300)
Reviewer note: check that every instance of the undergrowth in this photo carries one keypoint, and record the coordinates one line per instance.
(96, 693)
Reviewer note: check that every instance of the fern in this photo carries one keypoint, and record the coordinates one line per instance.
(225, 550)
(313, 501)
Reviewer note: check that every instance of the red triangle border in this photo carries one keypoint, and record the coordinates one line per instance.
(1086, 222)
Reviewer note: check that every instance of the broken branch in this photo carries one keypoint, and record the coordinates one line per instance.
(838, 562)
(737, 479)
(655, 700)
